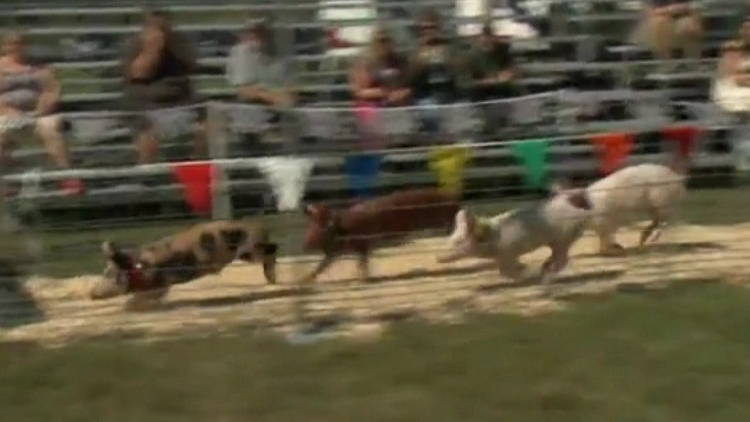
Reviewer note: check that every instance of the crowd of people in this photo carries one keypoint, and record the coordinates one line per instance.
(158, 61)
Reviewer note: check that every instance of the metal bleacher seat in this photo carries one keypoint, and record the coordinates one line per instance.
(551, 62)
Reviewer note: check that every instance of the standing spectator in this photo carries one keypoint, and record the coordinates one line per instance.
(671, 24)
(156, 67)
(434, 70)
(29, 96)
(492, 68)
(253, 68)
(731, 89)
(378, 79)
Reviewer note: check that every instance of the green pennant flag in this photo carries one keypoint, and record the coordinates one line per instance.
(533, 154)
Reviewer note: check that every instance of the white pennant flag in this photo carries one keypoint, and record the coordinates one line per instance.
(288, 177)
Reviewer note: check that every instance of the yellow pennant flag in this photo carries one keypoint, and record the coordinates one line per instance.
(448, 164)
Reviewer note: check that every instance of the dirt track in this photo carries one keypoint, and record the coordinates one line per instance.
(409, 282)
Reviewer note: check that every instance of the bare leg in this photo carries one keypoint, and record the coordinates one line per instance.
(48, 129)
(146, 146)
(363, 266)
(200, 146)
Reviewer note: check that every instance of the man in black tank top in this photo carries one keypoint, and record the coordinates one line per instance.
(434, 69)
(157, 65)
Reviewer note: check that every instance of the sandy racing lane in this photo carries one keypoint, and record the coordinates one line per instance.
(409, 282)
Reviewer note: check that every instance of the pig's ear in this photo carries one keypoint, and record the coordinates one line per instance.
(313, 210)
(579, 199)
(560, 185)
(117, 256)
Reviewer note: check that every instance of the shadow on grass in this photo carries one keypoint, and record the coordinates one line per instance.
(605, 275)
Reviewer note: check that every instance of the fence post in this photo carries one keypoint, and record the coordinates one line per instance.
(216, 130)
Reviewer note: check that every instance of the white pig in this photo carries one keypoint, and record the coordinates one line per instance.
(651, 189)
(556, 223)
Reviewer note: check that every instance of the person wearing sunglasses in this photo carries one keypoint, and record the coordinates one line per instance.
(378, 80)
(434, 69)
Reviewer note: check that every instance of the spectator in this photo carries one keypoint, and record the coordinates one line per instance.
(731, 90)
(156, 67)
(378, 79)
(29, 96)
(434, 70)
(253, 68)
(492, 67)
(671, 24)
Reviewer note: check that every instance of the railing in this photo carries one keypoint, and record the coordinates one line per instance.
(323, 134)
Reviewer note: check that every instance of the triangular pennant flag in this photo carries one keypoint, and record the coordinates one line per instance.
(448, 163)
(533, 154)
(684, 136)
(196, 180)
(362, 170)
(613, 149)
(288, 178)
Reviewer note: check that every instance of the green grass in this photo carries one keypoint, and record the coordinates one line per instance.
(676, 355)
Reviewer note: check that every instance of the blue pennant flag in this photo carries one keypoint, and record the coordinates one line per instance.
(363, 170)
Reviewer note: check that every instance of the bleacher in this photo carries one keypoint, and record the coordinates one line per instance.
(580, 51)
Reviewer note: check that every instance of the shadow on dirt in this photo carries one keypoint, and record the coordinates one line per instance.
(18, 306)
(229, 300)
(606, 275)
(421, 273)
(663, 249)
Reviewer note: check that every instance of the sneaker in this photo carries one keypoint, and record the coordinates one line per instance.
(73, 187)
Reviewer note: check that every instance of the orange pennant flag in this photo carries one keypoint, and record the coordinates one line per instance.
(685, 137)
(613, 149)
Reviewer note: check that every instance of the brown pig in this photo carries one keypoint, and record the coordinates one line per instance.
(363, 226)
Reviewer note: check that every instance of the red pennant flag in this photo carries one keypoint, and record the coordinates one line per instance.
(196, 180)
(613, 149)
(684, 136)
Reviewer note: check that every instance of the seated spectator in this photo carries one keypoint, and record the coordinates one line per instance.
(378, 79)
(156, 67)
(254, 69)
(260, 77)
(731, 89)
(492, 68)
(671, 24)
(434, 71)
(29, 97)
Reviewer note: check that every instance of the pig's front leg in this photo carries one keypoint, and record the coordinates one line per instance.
(511, 268)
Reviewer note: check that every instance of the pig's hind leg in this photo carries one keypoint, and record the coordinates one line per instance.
(557, 262)
(511, 268)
